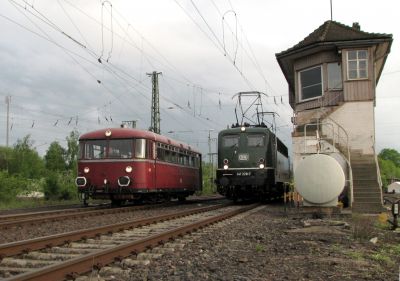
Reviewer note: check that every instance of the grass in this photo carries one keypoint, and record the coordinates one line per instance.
(259, 248)
(356, 255)
(382, 257)
(34, 203)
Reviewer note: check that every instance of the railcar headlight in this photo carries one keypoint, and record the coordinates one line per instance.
(105, 181)
(261, 166)
(226, 167)
(261, 160)
(108, 133)
(86, 170)
(243, 129)
(128, 169)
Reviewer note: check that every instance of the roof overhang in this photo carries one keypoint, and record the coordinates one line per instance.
(287, 58)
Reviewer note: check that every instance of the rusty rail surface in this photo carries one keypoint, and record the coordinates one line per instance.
(71, 268)
(30, 215)
(7, 221)
(15, 248)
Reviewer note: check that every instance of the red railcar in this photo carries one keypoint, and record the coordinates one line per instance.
(129, 164)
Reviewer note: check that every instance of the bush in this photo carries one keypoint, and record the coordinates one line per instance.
(363, 227)
(60, 186)
(10, 186)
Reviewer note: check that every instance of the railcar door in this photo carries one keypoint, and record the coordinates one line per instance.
(152, 165)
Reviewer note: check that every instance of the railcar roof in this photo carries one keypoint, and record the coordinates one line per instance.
(123, 133)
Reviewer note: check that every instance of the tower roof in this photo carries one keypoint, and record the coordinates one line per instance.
(332, 31)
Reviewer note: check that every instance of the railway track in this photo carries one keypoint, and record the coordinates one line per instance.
(52, 258)
(8, 221)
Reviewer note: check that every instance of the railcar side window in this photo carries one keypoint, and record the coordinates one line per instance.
(140, 148)
(255, 140)
(120, 149)
(95, 149)
(230, 141)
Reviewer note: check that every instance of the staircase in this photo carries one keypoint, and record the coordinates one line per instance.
(366, 188)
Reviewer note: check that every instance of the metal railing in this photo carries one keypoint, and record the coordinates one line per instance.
(340, 143)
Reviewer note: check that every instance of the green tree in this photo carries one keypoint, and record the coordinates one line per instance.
(6, 153)
(72, 150)
(389, 165)
(208, 176)
(55, 157)
(390, 154)
(25, 160)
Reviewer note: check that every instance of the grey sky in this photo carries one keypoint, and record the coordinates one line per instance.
(53, 81)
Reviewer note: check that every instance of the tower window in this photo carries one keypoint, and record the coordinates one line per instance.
(357, 64)
(310, 83)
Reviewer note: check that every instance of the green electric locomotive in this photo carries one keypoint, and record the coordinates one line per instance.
(252, 163)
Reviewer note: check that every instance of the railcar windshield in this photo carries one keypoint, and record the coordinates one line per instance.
(255, 140)
(230, 140)
(94, 149)
(103, 149)
(120, 149)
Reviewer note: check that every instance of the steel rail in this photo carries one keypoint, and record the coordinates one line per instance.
(22, 219)
(15, 248)
(86, 213)
(98, 259)
(23, 216)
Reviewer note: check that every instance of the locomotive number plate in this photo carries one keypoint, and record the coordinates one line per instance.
(243, 157)
(243, 174)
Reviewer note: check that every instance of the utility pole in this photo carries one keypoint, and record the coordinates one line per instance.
(8, 101)
(155, 103)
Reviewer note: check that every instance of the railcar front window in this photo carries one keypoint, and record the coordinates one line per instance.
(255, 140)
(95, 149)
(140, 148)
(120, 149)
(81, 154)
(230, 141)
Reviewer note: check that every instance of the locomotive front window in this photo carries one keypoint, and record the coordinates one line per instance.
(230, 141)
(95, 149)
(140, 148)
(255, 140)
(120, 149)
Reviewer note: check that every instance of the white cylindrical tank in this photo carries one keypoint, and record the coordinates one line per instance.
(319, 179)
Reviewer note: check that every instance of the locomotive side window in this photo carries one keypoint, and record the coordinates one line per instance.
(95, 149)
(140, 148)
(230, 141)
(255, 140)
(120, 149)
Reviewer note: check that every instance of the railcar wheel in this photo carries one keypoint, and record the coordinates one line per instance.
(116, 202)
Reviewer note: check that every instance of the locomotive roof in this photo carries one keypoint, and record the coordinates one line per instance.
(123, 133)
(248, 129)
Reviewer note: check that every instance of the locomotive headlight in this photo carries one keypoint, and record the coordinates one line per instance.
(261, 166)
(105, 181)
(243, 129)
(226, 167)
(86, 170)
(226, 161)
(108, 133)
(128, 169)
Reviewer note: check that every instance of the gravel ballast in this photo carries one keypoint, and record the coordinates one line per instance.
(269, 246)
